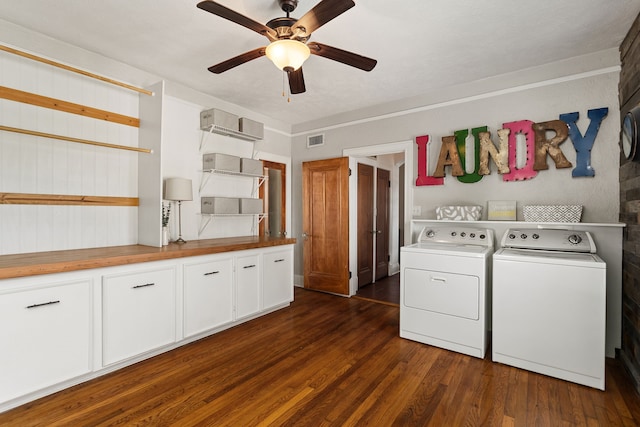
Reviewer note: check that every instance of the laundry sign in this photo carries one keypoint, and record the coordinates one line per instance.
(539, 149)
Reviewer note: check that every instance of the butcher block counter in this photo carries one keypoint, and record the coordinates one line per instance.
(32, 264)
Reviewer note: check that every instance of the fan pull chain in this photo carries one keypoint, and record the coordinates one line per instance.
(283, 87)
(283, 73)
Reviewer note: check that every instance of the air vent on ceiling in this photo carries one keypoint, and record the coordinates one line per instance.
(315, 140)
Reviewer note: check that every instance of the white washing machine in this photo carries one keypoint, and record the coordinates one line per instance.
(549, 305)
(444, 288)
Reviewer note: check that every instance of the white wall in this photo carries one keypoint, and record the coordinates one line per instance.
(36, 165)
(534, 99)
(39, 165)
(184, 144)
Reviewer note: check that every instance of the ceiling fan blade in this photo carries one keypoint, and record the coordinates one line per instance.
(238, 60)
(321, 13)
(348, 58)
(296, 81)
(233, 16)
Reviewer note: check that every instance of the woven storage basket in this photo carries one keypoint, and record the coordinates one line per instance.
(459, 213)
(557, 213)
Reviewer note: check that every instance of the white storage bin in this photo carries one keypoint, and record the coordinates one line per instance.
(251, 206)
(251, 128)
(223, 162)
(251, 166)
(459, 213)
(552, 213)
(219, 118)
(219, 205)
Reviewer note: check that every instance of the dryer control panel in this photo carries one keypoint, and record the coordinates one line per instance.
(457, 235)
(549, 239)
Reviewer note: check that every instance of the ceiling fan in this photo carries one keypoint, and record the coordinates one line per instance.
(289, 37)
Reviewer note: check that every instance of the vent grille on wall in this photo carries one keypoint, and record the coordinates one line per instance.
(315, 140)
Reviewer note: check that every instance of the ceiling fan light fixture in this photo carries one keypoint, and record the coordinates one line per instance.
(287, 55)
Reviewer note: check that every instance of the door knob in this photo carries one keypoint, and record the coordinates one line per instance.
(305, 236)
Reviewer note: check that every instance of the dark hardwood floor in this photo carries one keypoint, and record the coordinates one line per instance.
(386, 291)
(329, 361)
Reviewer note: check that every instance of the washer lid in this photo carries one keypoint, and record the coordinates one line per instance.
(550, 257)
(449, 249)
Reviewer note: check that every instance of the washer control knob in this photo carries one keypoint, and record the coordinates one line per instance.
(482, 236)
(472, 235)
(431, 233)
(463, 234)
(574, 239)
(453, 234)
(535, 236)
(512, 236)
(523, 236)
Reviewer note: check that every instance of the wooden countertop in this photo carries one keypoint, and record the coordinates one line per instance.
(32, 264)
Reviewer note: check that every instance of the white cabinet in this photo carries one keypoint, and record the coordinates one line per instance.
(138, 313)
(247, 285)
(45, 335)
(91, 322)
(277, 278)
(208, 294)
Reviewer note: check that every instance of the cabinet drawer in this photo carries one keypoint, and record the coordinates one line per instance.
(138, 312)
(208, 298)
(49, 338)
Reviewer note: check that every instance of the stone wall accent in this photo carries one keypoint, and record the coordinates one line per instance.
(629, 93)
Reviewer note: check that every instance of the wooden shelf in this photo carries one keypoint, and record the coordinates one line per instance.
(65, 199)
(67, 107)
(74, 69)
(76, 140)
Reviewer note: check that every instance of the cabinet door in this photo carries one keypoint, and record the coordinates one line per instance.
(247, 285)
(208, 298)
(138, 312)
(46, 336)
(278, 278)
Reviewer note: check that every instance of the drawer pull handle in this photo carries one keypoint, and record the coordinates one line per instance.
(143, 286)
(438, 279)
(249, 266)
(43, 304)
(279, 260)
(211, 272)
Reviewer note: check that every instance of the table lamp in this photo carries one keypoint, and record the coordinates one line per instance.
(179, 190)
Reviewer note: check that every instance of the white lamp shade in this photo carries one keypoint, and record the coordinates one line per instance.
(287, 54)
(178, 189)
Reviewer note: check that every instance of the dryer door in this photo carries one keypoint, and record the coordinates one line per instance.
(440, 292)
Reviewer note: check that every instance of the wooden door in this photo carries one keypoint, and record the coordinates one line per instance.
(365, 224)
(325, 222)
(382, 223)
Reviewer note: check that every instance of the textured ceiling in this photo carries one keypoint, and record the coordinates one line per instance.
(420, 46)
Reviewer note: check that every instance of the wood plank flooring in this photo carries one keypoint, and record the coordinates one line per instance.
(385, 290)
(329, 361)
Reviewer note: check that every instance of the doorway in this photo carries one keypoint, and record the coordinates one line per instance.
(274, 196)
(400, 156)
(374, 186)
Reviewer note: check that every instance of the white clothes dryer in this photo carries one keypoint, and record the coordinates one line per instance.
(549, 305)
(444, 288)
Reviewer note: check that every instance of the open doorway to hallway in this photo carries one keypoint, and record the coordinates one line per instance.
(381, 281)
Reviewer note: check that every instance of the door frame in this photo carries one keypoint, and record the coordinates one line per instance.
(270, 157)
(357, 154)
